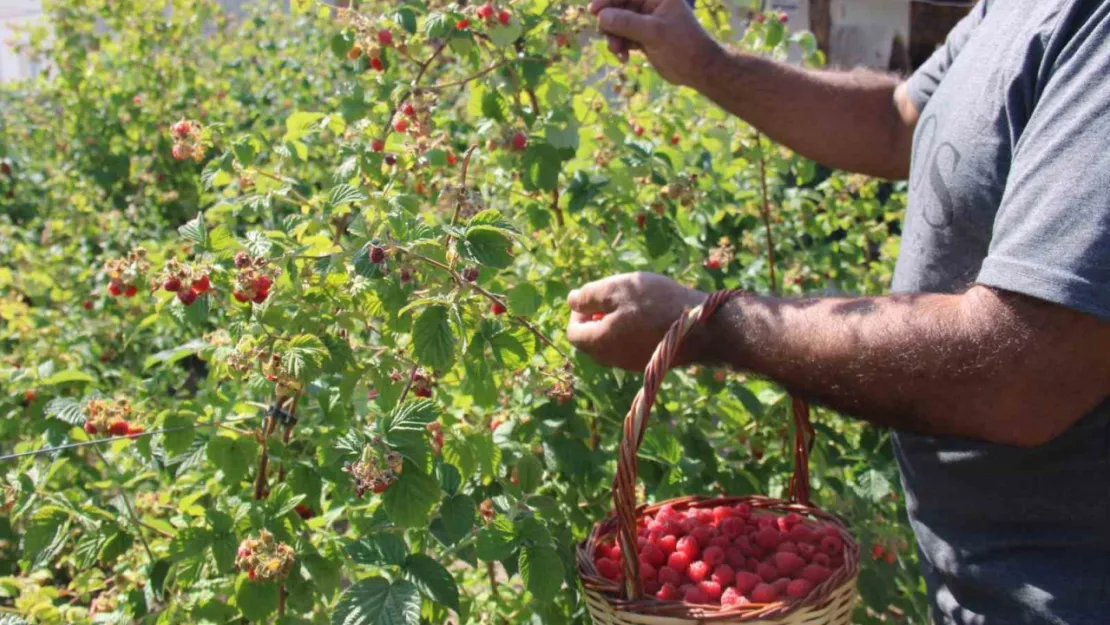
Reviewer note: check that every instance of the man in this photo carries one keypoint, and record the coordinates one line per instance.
(992, 359)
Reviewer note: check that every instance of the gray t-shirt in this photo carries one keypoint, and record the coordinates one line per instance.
(1010, 187)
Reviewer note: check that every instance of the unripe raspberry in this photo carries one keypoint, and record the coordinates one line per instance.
(181, 152)
(377, 254)
(385, 37)
(29, 396)
(187, 296)
(470, 274)
(242, 260)
(354, 52)
(135, 430)
(497, 308)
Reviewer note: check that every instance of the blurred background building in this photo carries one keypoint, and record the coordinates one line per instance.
(882, 34)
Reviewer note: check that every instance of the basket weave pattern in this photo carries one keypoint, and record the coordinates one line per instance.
(829, 603)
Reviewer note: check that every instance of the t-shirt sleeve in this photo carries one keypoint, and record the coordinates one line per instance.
(1051, 237)
(924, 81)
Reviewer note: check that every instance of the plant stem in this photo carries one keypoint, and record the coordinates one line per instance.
(127, 504)
(408, 385)
(765, 211)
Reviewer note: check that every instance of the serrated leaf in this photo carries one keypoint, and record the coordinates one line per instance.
(458, 514)
(256, 601)
(432, 340)
(410, 500)
(345, 194)
(304, 355)
(529, 473)
(65, 409)
(375, 601)
(378, 549)
(195, 232)
(502, 36)
(190, 543)
(541, 166)
(496, 540)
(432, 579)
(542, 572)
(489, 246)
(300, 124)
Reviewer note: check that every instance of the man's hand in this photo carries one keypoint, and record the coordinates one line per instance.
(636, 308)
(666, 30)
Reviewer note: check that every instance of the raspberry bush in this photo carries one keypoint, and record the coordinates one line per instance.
(283, 303)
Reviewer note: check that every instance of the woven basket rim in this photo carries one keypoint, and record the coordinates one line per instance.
(821, 594)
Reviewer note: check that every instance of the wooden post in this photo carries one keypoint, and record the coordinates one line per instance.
(820, 23)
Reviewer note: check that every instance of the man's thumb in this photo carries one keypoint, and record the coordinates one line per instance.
(626, 24)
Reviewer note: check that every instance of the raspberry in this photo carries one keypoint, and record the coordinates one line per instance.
(667, 511)
(696, 595)
(612, 551)
(713, 556)
(668, 544)
(485, 11)
(801, 534)
(780, 585)
(251, 574)
(832, 545)
(29, 396)
(678, 561)
(641, 221)
(764, 593)
(390, 160)
(735, 558)
(668, 592)
(713, 264)
(791, 520)
(669, 577)
(703, 534)
(497, 308)
(821, 559)
(787, 547)
(130, 290)
(767, 538)
(653, 555)
(263, 282)
(688, 545)
(504, 17)
(385, 37)
(181, 128)
(90, 428)
(408, 109)
(354, 52)
(135, 430)
(674, 139)
(119, 428)
(891, 558)
(609, 568)
(88, 304)
(462, 24)
(470, 274)
(743, 544)
(181, 152)
(732, 527)
(377, 145)
(648, 572)
(260, 296)
(377, 254)
(743, 510)
(242, 260)
(788, 563)
(723, 575)
(651, 588)
(698, 571)
(171, 284)
(401, 125)
(746, 581)
(201, 284)
(816, 573)
(519, 141)
(799, 588)
(711, 589)
(638, 129)
(721, 542)
(722, 512)
(783, 18)
(767, 572)
(187, 296)
(733, 597)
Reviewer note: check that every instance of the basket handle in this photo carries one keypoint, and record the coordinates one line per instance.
(635, 426)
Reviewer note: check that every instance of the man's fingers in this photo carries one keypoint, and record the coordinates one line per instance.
(639, 6)
(595, 297)
(626, 24)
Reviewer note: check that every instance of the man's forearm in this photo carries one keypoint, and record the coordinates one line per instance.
(974, 365)
(845, 120)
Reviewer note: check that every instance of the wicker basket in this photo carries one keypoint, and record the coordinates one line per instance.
(829, 603)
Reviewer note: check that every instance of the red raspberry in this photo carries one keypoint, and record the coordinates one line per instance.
(485, 11)
(29, 396)
(713, 556)
(832, 545)
(735, 558)
(187, 296)
(119, 428)
(674, 140)
(669, 577)
(401, 125)
(723, 512)
(609, 568)
(703, 515)
(90, 428)
(88, 304)
(764, 593)
(743, 510)
(767, 538)
(641, 221)
(653, 555)
(688, 545)
(668, 544)
(263, 282)
(408, 109)
(678, 561)
(713, 263)
(668, 592)
(720, 541)
(613, 551)
(242, 260)
(181, 128)
(377, 254)
(780, 585)
(648, 573)
(134, 431)
(784, 18)
(752, 564)
(799, 588)
(650, 588)
(462, 24)
(251, 574)
(260, 296)
(376, 63)
(497, 308)
(130, 290)
(816, 573)
(638, 129)
(787, 547)
(377, 145)
(504, 17)
(171, 284)
(703, 534)
(519, 141)
(732, 527)
(385, 37)
(891, 558)
(181, 152)
(791, 520)
(746, 581)
(733, 597)
(801, 534)
(698, 571)
(470, 274)
(743, 544)
(723, 575)
(821, 559)
(696, 595)
(667, 511)
(423, 392)
(201, 284)
(788, 563)
(767, 572)
(711, 589)
(597, 316)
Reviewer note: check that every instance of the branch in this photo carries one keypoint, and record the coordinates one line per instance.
(765, 211)
(415, 82)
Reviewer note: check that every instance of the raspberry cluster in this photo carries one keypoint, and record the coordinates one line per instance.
(264, 558)
(722, 255)
(124, 274)
(188, 140)
(376, 470)
(111, 417)
(370, 39)
(187, 282)
(437, 436)
(255, 277)
(728, 555)
(489, 14)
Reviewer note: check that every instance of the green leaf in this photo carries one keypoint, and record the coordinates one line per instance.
(233, 456)
(190, 543)
(495, 540)
(65, 409)
(257, 601)
(363, 266)
(69, 375)
(410, 500)
(542, 572)
(196, 232)
(174, 354)
(375, 601)
(503, 36)
(432, 579)
(433, 344)
(458, 514)
(493, 105)
(529, 471)
(304, 355)
(525, 299)
(281, 501)
(541, 166)
(300, 124)
(345, 194)
(489, 246)
(378, 549)
(177, 441)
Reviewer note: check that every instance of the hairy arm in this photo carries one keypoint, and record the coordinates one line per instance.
(858, 121)
(985, 364)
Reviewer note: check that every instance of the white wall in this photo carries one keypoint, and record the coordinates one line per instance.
(862, 31)
(15, 14)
